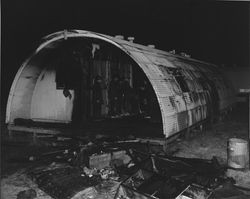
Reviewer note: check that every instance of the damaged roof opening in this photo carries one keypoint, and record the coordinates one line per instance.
(78, 76)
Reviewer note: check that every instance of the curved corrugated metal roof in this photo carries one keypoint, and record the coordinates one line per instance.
(155, 64)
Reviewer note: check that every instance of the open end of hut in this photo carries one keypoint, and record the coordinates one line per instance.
(85, 85)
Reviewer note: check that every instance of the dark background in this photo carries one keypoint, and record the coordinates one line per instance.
(217, 32)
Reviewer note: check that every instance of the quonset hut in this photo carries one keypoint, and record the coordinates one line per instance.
(79, 79)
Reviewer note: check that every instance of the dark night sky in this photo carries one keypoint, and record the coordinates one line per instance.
(216, 32)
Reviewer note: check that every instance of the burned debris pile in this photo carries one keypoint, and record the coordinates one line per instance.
(115, 168)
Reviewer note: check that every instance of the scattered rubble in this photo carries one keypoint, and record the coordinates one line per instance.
(119, 169)
(12, 185)
(27, 194)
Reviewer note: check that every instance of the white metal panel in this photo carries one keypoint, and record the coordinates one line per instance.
(21, 95)
(48, 103)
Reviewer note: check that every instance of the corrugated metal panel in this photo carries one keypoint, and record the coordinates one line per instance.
(170, 123)
(182, 120)
(169, 106)
(162, 88)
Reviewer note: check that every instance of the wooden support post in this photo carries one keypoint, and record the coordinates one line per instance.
(247, 91)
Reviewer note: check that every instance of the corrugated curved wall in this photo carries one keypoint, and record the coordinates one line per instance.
(188, 90)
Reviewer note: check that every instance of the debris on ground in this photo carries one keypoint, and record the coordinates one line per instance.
(111, 168)
(27, 194)
(123, 169)
(195, 192)
(12, 185)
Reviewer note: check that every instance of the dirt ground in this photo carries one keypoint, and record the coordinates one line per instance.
(213, 142)
(210, 143)
(206, 144)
